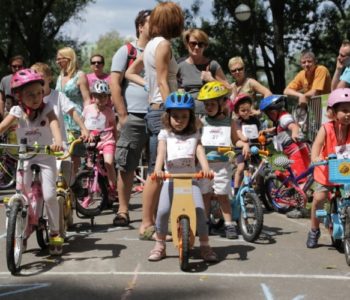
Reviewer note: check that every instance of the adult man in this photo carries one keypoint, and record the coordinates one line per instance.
(311, 81)
(131, 103)
(341, 77)
(97, 62)
(15, 63)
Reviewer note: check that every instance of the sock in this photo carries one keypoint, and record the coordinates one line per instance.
(203, 243)
(228, 223)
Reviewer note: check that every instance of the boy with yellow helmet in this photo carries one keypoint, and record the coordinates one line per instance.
(216, 132)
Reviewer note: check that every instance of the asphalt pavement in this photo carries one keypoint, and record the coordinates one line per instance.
(107, 262)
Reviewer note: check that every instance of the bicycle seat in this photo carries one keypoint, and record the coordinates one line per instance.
(282, 161)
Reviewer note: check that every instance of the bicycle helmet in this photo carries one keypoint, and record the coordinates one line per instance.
(339, 96)
(179, 101)
(272, 102)
(239, 98)
(100, 87)
(212, 90)
(24, 77)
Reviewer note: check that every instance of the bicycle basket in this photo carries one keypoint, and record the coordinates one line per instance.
(339, 170)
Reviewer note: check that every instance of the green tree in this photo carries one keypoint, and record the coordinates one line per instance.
(31, 27)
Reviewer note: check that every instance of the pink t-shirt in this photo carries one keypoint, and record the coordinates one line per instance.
(91, 77)
(100, 120)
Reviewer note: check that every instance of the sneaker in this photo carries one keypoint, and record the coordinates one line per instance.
(312, 238)
(55, 245)
(158, 252)
(298, 213)
(231, 232)
(208, 254)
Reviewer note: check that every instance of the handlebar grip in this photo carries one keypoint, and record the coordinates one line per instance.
(320, 163)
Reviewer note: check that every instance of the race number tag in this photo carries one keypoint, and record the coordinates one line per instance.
(95, 123)
(250, 131)
(41, 135)
(177, 149)
(216, 136)
(343, 151)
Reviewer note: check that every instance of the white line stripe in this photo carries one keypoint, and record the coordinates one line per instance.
(3, 235)
(267, 293)
(233, 275)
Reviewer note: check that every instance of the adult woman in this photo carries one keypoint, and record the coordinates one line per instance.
(244, 84)
(97, 62)
(166, 22)
(197, 69)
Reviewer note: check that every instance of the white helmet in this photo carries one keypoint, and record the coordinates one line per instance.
(100, 87)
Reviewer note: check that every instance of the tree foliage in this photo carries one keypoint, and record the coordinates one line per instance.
(275, 33)
(31, 27)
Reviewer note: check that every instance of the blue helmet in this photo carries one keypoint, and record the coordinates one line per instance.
(178, 100)
(272, 102)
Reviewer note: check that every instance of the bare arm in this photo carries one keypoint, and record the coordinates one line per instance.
(294, 128)
(56, 132)
(2, 104)
(6, 123)
(318, 145)
(161, 153)
(84, 88)
(259, 88)
(133, 72)
(202, 159)
(84, 131)
(162, 58)
(117, 98)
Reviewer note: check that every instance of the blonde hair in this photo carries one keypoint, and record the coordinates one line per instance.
(235, 60)
(198, 34)
(166, 20)
(69, 53)
(42, 68)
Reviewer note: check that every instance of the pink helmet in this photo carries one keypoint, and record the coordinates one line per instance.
(339, 96)
(238, 99)
(25, 76)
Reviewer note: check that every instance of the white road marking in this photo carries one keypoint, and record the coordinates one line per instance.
(233, 275)
(20, 288)
(267, 293)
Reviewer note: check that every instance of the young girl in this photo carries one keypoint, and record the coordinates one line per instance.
(39, 118)
(99, 116)
(331, 138)
(178, 147)
(216, 132)
(287, 138)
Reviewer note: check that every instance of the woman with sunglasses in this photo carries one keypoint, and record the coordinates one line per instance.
(244, 84)
(197, 69)
(97, 62)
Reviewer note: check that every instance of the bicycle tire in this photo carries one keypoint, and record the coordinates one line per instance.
(336, 243)
(14, 238)
(272, 184)
(216, 218)
(252, 225)
(82, 188)
(42, 233)
(347, 236)
(7, 174)
(261, 190)
(184, 243)
(63, 223)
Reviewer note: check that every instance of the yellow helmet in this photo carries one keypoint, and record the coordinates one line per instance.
(212, 90)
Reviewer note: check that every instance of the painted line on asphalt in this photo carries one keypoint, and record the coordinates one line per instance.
(233, 275)
(3, 235)
(20, 288)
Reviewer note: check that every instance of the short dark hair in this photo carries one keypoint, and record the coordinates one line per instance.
(97, 55)
(141, 19)
(13, 58)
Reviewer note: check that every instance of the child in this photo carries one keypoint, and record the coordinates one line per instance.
(9, 102)
(216, 132)
(245, 129)
(31, 112)
(99, 116)
(178, 147)
(331, 135)
(287, 131)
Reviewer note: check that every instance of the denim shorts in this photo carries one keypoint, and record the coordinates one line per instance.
(133, 137)
(154, 125)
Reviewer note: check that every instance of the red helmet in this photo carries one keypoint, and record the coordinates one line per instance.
(238, 99)
(24, 77)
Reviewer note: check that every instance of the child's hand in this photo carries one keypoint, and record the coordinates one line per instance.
(207, 173)
(159, 174)
(246, 150)
(56, 147)
(85, 135)
(295, 136)
(317, 159)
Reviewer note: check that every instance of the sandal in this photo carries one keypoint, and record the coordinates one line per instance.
(150, 235)
(157, 253)
(122, 219)
(208, 254)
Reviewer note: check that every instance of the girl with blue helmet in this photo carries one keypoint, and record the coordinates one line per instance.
(287, 137)
(179, 146)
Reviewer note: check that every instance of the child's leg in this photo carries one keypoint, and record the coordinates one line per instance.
(239, 175)
(109, 165)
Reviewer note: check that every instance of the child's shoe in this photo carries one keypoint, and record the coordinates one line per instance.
(55, 245)
(158, 252)
(312, 238)
(231, 232)
(208, 254)
(86, 202)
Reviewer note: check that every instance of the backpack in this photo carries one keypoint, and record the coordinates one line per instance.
(132, 53)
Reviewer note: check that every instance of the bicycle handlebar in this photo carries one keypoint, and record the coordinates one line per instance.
(253, 149)
(60, 155)
(198, 175)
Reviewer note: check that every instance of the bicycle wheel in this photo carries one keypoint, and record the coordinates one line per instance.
(337, 243)
(7, 173)
(184, 242)
(42, 233)
(63, 212)
(14, 240)
(260, 188)
(88, 201)
(347, 236)
(251, 224)
(216, 218)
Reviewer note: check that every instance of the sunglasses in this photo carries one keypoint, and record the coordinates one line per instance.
(199, 44)
(96, 63)
(17, 66)
(237, 70)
